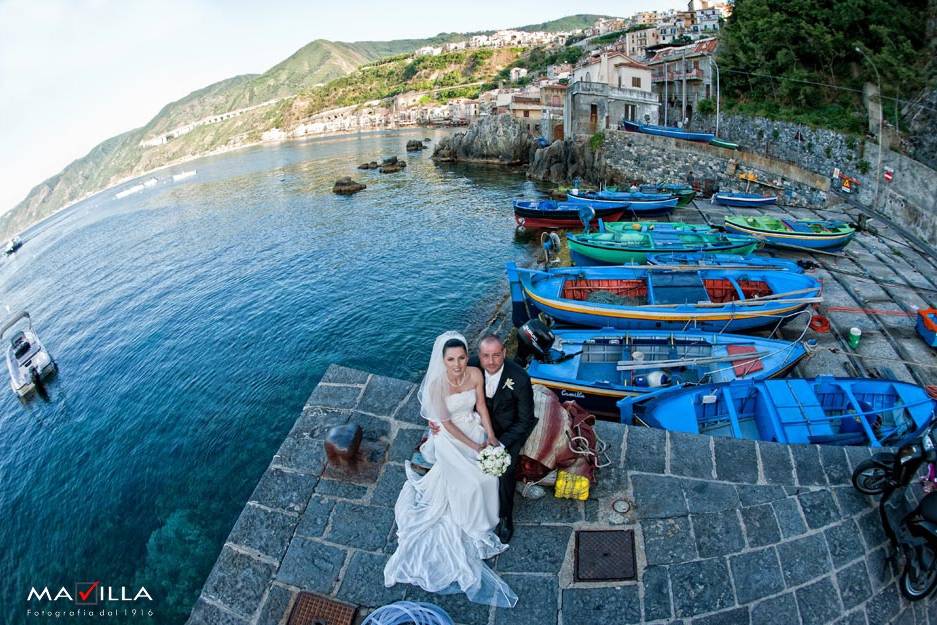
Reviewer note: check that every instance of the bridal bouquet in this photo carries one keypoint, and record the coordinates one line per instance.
(494, 460)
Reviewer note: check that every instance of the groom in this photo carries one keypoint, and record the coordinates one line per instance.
(510, 402)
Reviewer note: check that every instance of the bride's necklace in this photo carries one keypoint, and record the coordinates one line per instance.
(460, 383)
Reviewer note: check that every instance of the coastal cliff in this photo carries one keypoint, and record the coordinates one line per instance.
(498, 139)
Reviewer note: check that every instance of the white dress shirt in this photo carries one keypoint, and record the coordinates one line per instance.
(491, 382)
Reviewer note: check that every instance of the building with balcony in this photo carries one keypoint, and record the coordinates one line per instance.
(682, 76)
(637, 42)
(606, 89)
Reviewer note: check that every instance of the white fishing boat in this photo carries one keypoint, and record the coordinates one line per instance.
(27, 359)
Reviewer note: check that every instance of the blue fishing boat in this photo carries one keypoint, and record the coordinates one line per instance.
(824, 410)
(695, 259)
(551, 214)
(676, 133)
(635, 207)
(599, 367)
(627, 196)
(743, 200)
(649, 297)
(631, 126)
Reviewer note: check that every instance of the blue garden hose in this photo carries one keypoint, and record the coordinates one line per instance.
(402, 612)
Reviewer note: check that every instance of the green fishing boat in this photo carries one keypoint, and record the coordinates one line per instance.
(633, 246)
(804, 234)
(721, 143)
(620, 227)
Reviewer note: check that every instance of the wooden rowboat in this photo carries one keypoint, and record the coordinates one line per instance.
(816, 234)
(823, 410)
(596, 368)
(655, 297)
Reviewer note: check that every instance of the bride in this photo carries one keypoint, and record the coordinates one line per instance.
(445, 519)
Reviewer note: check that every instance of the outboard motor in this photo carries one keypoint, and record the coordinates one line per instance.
(535, 339)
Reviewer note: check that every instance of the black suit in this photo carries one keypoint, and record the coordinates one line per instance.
(512, 417)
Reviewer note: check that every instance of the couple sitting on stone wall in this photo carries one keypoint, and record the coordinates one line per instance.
(456, 516)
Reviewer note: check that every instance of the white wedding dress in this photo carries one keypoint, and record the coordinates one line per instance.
(445, 519)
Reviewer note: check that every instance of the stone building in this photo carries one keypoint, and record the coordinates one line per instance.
(552, 98)
(604, 90)
(683, 75)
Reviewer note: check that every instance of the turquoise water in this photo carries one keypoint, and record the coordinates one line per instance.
(190, 322)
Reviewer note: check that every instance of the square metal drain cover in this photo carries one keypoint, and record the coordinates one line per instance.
(605, 556)
(311, 609)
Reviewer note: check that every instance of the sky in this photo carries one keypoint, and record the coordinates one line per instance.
(76, 72)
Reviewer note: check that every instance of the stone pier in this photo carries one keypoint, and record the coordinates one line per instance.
(727, 532)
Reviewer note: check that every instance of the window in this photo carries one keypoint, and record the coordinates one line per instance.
(636, 82)
(588, 77)
(555, 101)
(619, 81)
(527, 114)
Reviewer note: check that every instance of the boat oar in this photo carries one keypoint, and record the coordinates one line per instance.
(633, 365)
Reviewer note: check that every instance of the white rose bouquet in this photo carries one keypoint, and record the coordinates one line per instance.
(494, 460)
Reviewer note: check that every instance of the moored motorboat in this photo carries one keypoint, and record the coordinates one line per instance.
(596, 368)
(649, 297)
(28, 362)
(694, 259)
(13, 244)
(823, 410)
(742, 200)
(551, 214)
(630, 247)
(817, 234)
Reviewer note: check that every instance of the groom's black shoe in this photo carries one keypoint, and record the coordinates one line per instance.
(505, 530)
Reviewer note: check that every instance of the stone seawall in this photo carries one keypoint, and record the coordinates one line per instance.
(726, 531)
(910, 197)
(626, 156)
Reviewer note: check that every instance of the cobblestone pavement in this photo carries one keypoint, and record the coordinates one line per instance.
(727, 532)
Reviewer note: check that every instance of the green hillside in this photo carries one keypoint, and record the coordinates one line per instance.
(319, 75)
(564, 24)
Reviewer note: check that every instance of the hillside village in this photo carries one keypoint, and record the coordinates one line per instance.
(654, 66)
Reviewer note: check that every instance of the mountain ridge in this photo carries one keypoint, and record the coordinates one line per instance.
(121, 156)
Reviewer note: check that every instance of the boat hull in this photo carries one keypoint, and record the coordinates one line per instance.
(564, 294)
(636, 208)
(595, 384)
(793, 240)
(676, 133)
(552, 215)
(739, 201)
(586, 250)
(824, 410)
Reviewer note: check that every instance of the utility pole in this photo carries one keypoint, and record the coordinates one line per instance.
(881, 113)
(716, 65)
(683, 89)
(666, 103)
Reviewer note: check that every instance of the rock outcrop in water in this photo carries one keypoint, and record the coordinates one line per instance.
(566, 160)
(347, 186)
(494, 139)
